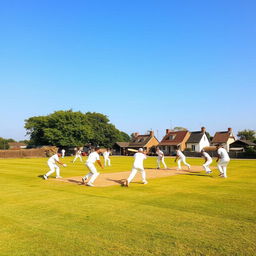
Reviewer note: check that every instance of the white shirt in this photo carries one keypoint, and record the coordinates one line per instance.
(160, 154)
(63, 150)
(207, 156)
(79, 152)
(180, 154)
(138, 161)
(222, 152)
(106, 154)
(93, 157)
(53, 159)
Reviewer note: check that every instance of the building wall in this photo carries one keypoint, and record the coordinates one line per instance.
(204, 142)
(183, 144)
(153, 142)
(230, 140)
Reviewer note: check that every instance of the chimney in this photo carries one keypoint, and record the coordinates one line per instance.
(203, 129)
(168, 130)
(135, 134)
(229, 130)
(151, 133)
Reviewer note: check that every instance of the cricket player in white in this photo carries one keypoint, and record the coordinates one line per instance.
(181, 158)
(208, 161)
(92, 158)
(160, 158)
(78, 155)
(53, 166)
(106, 158)
(222, 160)
(63, 152)
(140, 156)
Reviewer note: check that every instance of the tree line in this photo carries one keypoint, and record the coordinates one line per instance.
(72, 129)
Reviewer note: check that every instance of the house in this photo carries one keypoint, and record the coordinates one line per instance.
(120, 148)
(17, 145)
(172, 139)
(147, 141)
(225, 138)
(241, 145)
(197, 141)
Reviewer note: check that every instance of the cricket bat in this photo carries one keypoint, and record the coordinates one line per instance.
(132, 150)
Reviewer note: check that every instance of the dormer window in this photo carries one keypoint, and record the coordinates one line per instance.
(171, 137)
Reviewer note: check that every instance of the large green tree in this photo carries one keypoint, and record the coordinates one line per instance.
(68, 128)
(247, 135)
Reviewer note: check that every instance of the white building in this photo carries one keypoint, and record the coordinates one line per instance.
(197, 141)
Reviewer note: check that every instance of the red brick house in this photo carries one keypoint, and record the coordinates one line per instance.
(225, 138)
(173, 139)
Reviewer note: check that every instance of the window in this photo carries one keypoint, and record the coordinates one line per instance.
(193, 147)
(171, 137)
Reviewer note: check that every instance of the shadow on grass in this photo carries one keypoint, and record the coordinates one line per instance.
(75, 181)
(197, 174)
(121, 182)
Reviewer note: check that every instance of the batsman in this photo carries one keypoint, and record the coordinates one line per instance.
(140, 156)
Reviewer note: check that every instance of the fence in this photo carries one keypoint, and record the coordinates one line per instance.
(22, 153)
(242, 155)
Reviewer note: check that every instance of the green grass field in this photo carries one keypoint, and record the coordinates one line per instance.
(190, 214)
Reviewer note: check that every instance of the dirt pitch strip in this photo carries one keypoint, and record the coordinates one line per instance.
(117, 178)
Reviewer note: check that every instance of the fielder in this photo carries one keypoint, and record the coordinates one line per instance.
(208, 161)
(78, 155)
(160, 158)
(140, 156)
(106, 157)
(53, 166)
(92, 158)
(181, 158)
(222, 160)
(63, 152)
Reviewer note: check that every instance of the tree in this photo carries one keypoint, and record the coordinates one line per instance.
(4, 143)
(68, 128)
(247, 135)
(179, 128)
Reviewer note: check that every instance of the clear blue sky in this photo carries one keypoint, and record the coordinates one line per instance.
(145, 64)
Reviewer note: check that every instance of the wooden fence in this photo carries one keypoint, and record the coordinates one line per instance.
(26, 153)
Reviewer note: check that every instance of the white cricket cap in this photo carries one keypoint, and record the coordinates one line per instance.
(140, 149)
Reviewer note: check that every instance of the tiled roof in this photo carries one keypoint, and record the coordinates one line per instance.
(16, 144)
(123, 144)
(221, 137)
(140, 141)
(178, 137)
(195, 137)
(243, 142)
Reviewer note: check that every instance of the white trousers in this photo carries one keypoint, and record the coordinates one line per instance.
(63, 154)
(133, 173)
(77, 156)
(206, 165)
(159, 160)
(53, 167)
(184, 161)
(107, 161)
(222, 166)
(93, 173)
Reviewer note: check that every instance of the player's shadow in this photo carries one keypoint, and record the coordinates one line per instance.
(40, 176)
(121, 182)
(198, 174)
(75, 181)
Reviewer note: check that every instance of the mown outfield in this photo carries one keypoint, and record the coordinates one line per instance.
(190, 214)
